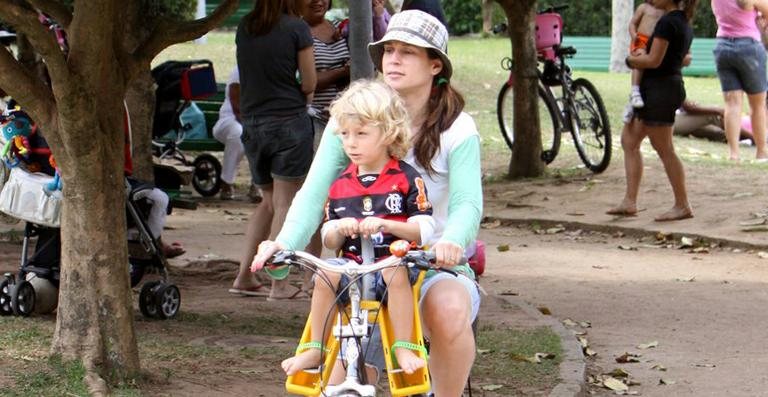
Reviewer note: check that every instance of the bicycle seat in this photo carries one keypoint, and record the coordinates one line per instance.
(565, 51)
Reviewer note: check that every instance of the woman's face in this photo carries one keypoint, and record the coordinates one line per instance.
(315, 9)
(407, 67)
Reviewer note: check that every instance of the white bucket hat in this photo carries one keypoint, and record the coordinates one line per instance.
(417, 28)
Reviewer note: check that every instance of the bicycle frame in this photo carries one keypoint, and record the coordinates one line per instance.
(353, 325)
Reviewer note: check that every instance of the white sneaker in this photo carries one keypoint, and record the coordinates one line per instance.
(636, 99)
(629, 113)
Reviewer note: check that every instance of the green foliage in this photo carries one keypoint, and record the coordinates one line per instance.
(466, 16)
(592, 17)
(180, 9)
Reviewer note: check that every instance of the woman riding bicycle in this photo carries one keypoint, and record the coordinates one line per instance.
(446, 151)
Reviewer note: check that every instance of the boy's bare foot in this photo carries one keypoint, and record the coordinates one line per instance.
(309, 358)
(624, 209)
(675, 214)
(408, 360)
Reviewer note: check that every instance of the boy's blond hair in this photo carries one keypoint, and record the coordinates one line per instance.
(372, 102)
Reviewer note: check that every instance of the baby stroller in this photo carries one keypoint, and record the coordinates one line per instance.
(25, 195)
(178, 83)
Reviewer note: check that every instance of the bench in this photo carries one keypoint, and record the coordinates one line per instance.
(594, 54)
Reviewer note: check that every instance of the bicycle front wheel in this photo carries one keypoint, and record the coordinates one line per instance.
(548, 121)
(591, 130)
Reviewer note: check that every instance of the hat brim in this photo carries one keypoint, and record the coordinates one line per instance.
(376, 50)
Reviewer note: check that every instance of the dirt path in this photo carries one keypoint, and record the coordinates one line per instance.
(705, 310)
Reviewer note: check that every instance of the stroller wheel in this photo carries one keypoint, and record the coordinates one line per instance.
(207, 177)
(168, 299)
(23, 299)
(147, 302)
(5, 297)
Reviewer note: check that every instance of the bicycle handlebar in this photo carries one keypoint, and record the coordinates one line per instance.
(417, 259)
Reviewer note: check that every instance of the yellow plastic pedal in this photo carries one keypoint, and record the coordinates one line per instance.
(400, 383)
(311, 383)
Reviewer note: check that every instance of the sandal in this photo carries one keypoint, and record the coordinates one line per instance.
(406, 345)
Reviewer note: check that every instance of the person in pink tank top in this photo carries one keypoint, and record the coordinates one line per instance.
(740, 59)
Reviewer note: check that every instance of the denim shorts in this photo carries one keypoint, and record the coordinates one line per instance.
(374, 354)
(740, 64)
(278, 147)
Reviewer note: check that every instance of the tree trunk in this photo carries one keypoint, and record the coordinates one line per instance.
(140, 98)
(526, 154)
(95, 316)
(487, 7)
(622, 11)
(360, 28)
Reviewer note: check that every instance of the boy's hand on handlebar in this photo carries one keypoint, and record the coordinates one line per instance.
(447, 254)
(348, 227)
(372, 225)
(267, 248)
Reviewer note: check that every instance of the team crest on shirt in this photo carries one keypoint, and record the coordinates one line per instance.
(394, 203)
(367, 206)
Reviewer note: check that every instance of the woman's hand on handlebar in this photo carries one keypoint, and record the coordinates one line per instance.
(267, 248)
(447, 254)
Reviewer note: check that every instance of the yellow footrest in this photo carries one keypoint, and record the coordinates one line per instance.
(311, 383)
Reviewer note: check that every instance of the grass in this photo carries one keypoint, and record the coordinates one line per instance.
(502, 359)
(479, 76)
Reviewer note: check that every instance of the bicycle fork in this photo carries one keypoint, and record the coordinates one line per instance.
(351, 334)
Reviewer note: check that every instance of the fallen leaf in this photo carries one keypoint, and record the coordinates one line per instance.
(699, 250)
(579, 333)
(663, 381)
(687, 279)
(585, 324)
(555, 230)
(659, 367)
(491, 225)
(509, 293)
(627, 248)
(598, 267)
(491, 387)
(483, 351)
(648, 345)
(503, 248)
(618, 234)
(544, 310)
(661, 236)
(628, 358)
(618, 373)
(589, 352)
(537, 357)
(705, 365)
(686, 242)
(574, 213)
(762, 255)
(583, 342)
(569, 323)
(626, 392)
(614, 384)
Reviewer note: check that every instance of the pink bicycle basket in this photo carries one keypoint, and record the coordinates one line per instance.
(549, 27)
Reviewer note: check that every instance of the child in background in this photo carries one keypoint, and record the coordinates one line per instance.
(640, 30)
(377, 192)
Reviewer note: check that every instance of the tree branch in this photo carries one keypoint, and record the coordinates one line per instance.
(24, 19)
(23, 85)
(57, 10)
(170, 32)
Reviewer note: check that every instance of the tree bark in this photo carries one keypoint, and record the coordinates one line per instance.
(622, 11)
(360, 29)
(487, 10)
(140, 98)
(526, 154)
(81, 115)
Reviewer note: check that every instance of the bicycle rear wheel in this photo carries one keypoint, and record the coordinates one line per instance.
(548, 121)
(591, 130)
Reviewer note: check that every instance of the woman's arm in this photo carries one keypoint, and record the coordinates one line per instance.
(307, 73)
(328, 78)
(306, 210)
(465, 193)
(651, 60)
